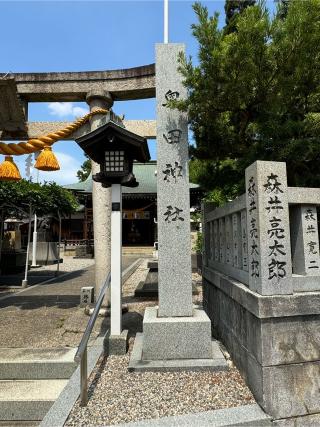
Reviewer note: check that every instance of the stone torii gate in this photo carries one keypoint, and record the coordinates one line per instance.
(99, 89)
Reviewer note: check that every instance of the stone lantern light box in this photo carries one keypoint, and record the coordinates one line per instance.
(114, 148)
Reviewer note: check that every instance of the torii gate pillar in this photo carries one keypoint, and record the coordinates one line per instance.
(101, 199)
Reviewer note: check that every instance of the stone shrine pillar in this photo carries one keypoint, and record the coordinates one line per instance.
(101, 200)
(173, 198)
(175, 330)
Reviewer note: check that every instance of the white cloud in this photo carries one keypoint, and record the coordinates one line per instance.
(64, 109)
(67, 173)
(79, 111)
(60, 108)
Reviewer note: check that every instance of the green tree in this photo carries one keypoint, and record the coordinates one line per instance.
(283, 8)
(47, 198)
(85, 170)
(233, 8)
(255, 95)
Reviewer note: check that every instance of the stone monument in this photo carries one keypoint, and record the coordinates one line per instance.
(268, 228)
(176, 333)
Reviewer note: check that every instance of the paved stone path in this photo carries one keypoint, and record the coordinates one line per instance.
(49, 315)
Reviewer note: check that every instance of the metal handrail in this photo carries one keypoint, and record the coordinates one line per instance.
(81, 354)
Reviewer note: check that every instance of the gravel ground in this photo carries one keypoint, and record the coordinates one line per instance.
(118, 396)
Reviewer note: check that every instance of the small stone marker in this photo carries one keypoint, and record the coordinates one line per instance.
(212, 244)
(222, 238)
(216, 240)
(305, 240)
(228, 226)
(155, 250)
(86, 296)
(236, 240)
(270, 270)
(244, 241)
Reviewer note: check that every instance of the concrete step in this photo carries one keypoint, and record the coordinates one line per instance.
(149, 288)
(19, 423)
(133, 250)
(43, 363)
(153, 265)
(28, 400)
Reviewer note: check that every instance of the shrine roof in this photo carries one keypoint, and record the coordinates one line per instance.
(144, 173)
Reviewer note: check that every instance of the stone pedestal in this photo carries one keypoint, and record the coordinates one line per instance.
(168, 338)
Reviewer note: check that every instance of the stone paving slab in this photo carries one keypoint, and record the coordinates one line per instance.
(248, 415)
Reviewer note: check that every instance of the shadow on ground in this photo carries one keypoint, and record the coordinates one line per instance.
(61, 293)
(34, 277)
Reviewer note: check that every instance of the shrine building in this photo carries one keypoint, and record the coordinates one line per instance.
(139, 208)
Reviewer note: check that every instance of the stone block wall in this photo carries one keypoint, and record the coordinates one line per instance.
(269, 321)
(273, 340)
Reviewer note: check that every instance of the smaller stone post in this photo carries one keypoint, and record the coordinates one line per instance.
(270, 270)
(222, 240)
(216, 240)
(244, 240)
(228, 231)
(212, 242)
(236, 240)
(209, 241)
(305, 240)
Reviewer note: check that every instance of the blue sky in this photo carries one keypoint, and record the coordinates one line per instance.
(39, 36)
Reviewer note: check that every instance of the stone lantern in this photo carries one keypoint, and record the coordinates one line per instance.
(115, 148)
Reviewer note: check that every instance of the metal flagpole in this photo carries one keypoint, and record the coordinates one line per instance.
(34, 243)
(25, 280)
(166, 21)
(34, 239)
(59, 245)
